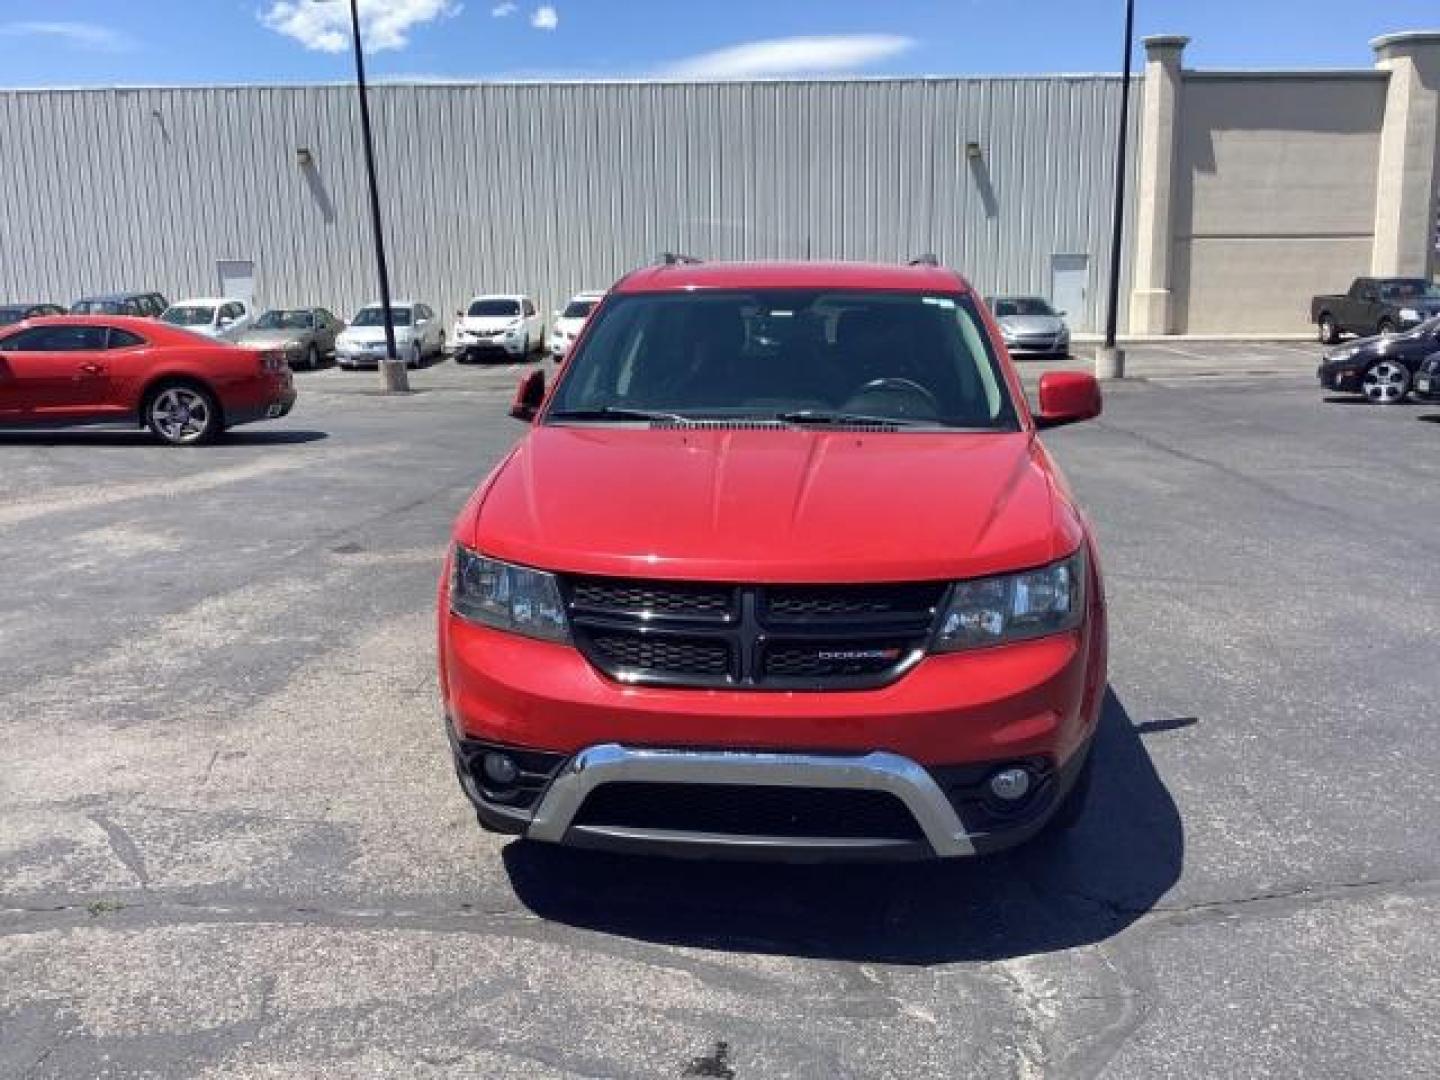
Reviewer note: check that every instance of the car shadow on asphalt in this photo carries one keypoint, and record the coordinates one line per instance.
(138, 437)
(1057, 892)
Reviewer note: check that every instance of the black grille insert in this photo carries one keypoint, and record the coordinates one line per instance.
(751, 810)
(775, 637)
(678, 656)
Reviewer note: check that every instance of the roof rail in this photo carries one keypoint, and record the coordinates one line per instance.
(673, 258)
(928, 259)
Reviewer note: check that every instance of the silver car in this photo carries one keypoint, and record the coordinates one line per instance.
(1030, 325)
(307, 335)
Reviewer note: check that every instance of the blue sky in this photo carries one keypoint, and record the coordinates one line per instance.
(130, 42)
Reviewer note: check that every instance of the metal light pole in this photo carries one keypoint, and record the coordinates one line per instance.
(393, 378)
(1110, 360)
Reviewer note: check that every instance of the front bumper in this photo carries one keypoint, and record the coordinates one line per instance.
(668, 803)
(1343, 379)
(928, 741)
(470, 348)
(1057, 344)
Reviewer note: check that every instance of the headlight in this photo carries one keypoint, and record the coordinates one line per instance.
(506, 597)
(1343, 354)
(1409, 314)
(1014, 607)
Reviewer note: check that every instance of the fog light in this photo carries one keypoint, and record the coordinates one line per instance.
(1010, 784)
(499, 769)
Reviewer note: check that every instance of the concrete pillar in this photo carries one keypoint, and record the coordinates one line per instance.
(1405, 189)
(1150, 306)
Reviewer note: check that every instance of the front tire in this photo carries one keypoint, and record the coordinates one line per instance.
(416, 357)
(1386, 382)
(1329, 332)
(312, 358)
(183, 414)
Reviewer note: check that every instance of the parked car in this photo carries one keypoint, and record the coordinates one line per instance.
(13, 313)
(418, 335)
(222, 318)
(93, 369)
(569, 321)
(498, 325)
(1427, 378)
(305, 335)
(144, 305)
(1375, 306)
(779, 569)
(1030, 324)
(1383, 367)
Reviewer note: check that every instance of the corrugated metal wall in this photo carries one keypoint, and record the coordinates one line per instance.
(548, 188)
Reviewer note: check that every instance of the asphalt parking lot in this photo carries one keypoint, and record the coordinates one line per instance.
(231, 844)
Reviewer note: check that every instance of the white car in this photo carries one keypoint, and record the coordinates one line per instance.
(222, 318)
(418, 334)
(566, 327)
(506, 325)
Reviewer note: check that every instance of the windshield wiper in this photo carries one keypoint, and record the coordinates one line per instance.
(820, 417)
(614, 412)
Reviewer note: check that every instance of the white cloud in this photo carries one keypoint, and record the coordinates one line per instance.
(824, 55)
(80, 35)
(545, 17)
(500, 11)
(384, 24)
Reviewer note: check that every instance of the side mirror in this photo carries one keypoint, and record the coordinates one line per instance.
(529, 396)
(1067, 397)
(226, 323)
(1061, 314)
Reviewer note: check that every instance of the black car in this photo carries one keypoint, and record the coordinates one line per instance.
(1382, 368)
(142, 305)
(13, 313)
(1427, 379)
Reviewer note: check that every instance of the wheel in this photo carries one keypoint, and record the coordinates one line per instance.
(312, 358)
(440, 349)
(415, 356)
(183, 415)
(525, 351)
(1386, 382)
(1386, 327)
(1067, 815)
(1329, 332)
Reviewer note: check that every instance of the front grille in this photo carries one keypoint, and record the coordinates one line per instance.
(750, 810)
(652, 597)
(831, 659)
(678, 656)
(772, 637)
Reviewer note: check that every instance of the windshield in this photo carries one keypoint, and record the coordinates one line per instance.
(1023, 305)
(375, 316)
(284, 320)
(494, 309)
(1399, 290)
(793, 355)
(578, 309)
(189, 316)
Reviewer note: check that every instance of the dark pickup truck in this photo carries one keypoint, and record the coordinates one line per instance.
(1375, 306)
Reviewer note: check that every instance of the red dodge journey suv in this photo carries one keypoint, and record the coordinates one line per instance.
(779, 570)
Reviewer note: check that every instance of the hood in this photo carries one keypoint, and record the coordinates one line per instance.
(569, 327)
(773, 504)
(273, 337)
(487, 324)
(370, 335)
(1032, 324)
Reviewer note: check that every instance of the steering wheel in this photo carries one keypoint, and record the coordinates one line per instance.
(893, 385)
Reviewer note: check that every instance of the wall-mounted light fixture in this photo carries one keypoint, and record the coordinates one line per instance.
(972, 151)
(304, 158)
